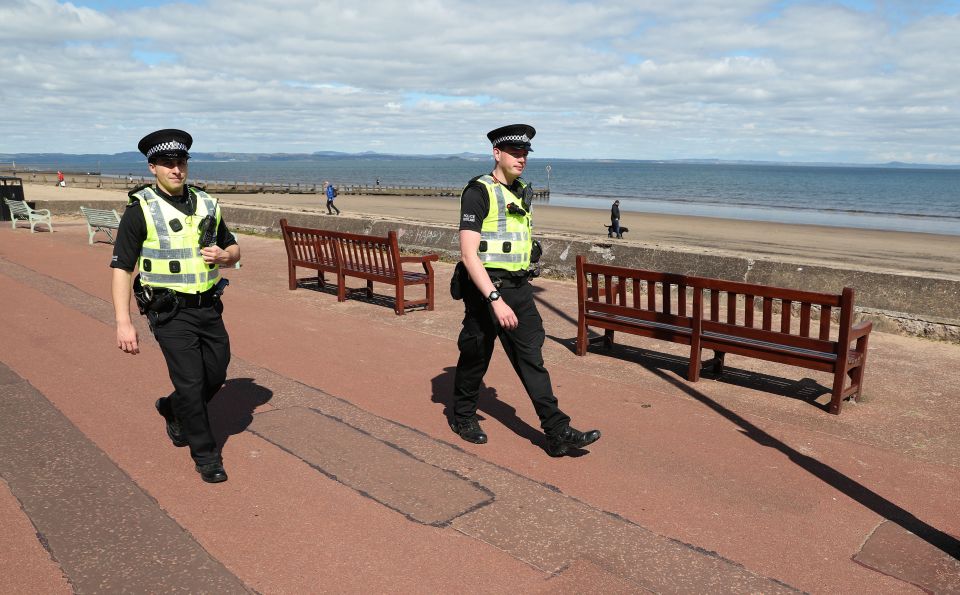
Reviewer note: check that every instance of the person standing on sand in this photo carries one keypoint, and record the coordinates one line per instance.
(331, 193)
(60, 181)
(615, 219)
(496, 247)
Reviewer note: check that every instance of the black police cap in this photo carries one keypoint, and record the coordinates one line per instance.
(169, 142)
(514, 135)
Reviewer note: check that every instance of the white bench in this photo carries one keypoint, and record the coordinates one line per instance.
(100, 220)
(19, 209)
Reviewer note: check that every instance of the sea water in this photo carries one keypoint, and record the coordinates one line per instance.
(884, 198)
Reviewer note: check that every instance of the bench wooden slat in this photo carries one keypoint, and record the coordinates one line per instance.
(767, 313)
(644, 328)
(786, 309)
(731, 307)
(648, 315)
(371, 258)
(752, 334)
(844, 357)
(825, 314)
(805, 319)
(758, 352)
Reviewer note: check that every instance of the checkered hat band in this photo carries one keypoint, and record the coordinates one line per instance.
(517, 138)
(167, 146)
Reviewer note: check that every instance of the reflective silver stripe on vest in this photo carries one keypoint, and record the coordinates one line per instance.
(163, 235)
(208, 201)
(170, 254)
(507, 236)
(181, 279)
(487, 257)
(501, 209)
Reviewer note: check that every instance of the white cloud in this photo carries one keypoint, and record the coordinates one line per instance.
(633, 79)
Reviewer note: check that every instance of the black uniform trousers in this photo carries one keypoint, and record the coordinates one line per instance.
(523, 346)
(197, 349)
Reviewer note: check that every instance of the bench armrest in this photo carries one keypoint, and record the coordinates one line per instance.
(860, 330)
(44, 212)
(424, 258)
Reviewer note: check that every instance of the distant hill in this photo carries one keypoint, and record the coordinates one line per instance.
(93, 160)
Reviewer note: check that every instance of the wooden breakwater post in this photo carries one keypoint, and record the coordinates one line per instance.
(128, 182)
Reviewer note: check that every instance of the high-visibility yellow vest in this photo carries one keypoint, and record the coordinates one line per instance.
(505, 239)
(169, 258)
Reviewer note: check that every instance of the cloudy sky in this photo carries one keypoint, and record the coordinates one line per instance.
(834, 80)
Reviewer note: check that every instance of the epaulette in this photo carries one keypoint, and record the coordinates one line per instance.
(131, 198)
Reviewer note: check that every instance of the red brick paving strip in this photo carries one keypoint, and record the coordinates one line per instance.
(106, 533)
(379, 470)
(896, 552)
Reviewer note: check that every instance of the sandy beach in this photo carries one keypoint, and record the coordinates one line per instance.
(887, 251)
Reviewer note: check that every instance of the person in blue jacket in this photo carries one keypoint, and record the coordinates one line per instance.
(331, 194)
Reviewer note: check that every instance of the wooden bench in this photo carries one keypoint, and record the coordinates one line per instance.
(100, 220)
(372, 258)
(727, 317)
(19, 209)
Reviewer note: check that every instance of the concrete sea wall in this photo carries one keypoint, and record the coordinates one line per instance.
(899, 303)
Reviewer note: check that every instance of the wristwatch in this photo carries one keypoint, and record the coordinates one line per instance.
(494, 296)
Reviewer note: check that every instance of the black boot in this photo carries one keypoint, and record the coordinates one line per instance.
(558, 444)
(212, 472)
(173, 426)
(469, 430)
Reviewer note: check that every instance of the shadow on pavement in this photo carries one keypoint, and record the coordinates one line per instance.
(805, 389)
(353, 293)
(231, 410)
(558, 311)
(847, 486)
(487, 404)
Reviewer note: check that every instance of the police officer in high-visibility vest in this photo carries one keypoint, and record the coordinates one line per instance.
(494, 282)
(174, 234)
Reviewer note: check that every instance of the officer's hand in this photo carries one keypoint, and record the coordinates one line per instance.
(505, 315)
(127, 339)
(214, 255)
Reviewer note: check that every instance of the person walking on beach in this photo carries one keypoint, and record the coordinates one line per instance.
(331, 193)
(496, 248)
(175, 235)
(60, 181)
(615, 220)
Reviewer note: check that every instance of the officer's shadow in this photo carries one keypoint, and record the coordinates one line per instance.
(488, 406)
(231, 410)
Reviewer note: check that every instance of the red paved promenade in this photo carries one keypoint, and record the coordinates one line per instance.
(344, 476)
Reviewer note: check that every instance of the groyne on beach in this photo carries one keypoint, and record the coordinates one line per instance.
(126, 183)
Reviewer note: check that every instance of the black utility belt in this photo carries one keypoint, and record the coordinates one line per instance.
(205, 299)
(502, 278)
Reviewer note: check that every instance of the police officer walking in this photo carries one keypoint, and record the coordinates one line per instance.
(174, 234)
(495, 247)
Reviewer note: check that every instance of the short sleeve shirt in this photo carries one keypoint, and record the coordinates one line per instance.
(475, 205)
